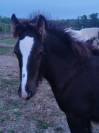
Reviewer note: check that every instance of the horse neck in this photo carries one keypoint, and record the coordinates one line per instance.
(59, 66)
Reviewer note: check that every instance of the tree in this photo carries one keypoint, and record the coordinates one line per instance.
(94, 19)
(93, 16)
(84, 21)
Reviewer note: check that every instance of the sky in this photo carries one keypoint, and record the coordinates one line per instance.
(55, 9)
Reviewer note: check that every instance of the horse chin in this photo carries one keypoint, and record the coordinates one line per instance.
(31, 93)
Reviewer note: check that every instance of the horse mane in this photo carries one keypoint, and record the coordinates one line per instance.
(79, 48)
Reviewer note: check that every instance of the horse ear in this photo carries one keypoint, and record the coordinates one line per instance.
(14, 23)
(41, 26)
(14, 19)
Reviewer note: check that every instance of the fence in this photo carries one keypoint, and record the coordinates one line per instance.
(5, 30)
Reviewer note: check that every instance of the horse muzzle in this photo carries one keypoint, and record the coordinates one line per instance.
(27, 94)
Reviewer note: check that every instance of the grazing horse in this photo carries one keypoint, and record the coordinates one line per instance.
(69, 67)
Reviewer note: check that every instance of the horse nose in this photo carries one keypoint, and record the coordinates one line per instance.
(30, 94)
(27, 94)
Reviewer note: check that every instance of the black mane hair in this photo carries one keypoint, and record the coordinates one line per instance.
(79, 48)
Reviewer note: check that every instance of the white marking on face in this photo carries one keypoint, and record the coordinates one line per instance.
(25, 46)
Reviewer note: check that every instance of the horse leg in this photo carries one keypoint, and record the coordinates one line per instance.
(78, 125)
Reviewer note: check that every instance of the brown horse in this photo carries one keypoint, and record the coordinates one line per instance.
(69, 67)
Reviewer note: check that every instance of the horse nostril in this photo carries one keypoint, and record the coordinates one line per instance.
(30, 93)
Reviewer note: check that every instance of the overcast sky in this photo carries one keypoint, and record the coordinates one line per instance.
(57, 9)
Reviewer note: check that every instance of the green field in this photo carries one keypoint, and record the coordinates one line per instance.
(6, 51)
(8, 41)
(6, 46)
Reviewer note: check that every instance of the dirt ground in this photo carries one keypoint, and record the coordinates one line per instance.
(39, 115)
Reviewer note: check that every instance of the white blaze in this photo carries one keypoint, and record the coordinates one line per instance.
(25, 46)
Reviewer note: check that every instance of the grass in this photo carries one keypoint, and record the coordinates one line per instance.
(11, 131)
(43, 125)
(8, 41)
(7, 83)
(7, 46)
(4, 51)
(59, 130)
(4, 118)
(1, 131)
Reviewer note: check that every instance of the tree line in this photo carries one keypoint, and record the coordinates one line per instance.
(83, 21)
(80, 22)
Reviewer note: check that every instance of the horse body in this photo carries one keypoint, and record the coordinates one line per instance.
(88, 33)
(85, 34)
(69, 67)
(71, 80)
(75, 85)
(75, 33)
(90, 37)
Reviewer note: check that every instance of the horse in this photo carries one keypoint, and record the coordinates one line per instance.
(69, 67)
(90, 37)
(86, 35)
